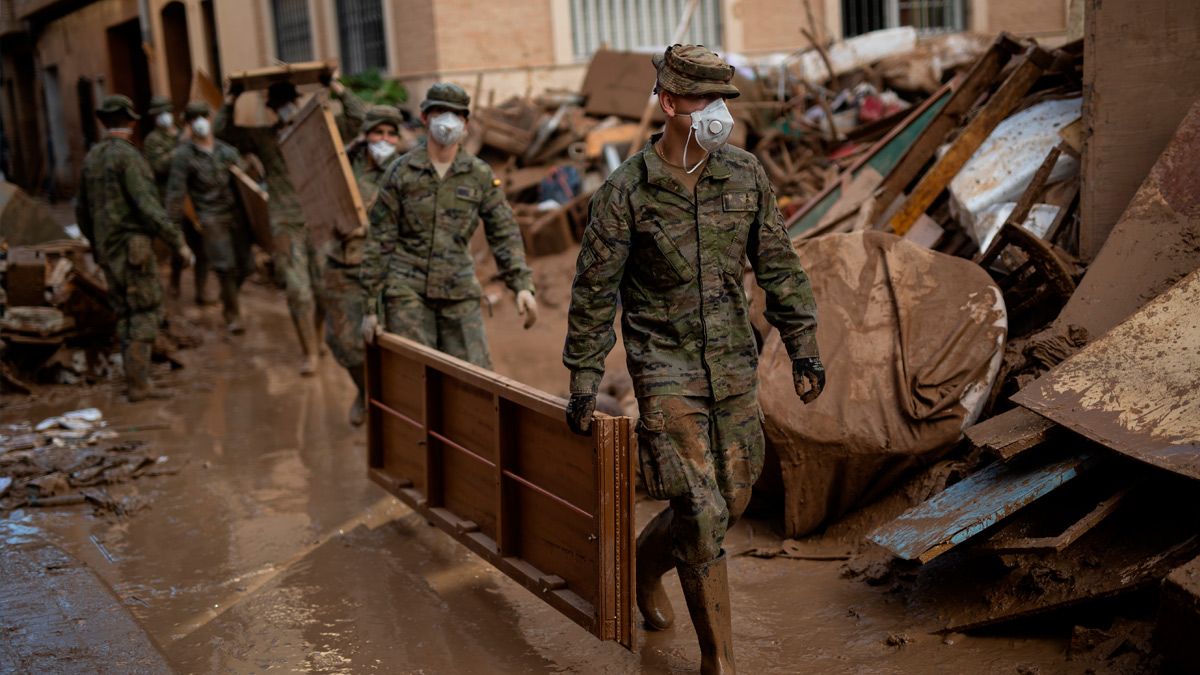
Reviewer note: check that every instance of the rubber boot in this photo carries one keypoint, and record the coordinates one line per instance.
(706, 587)
(358, 409)
(654, 559)
(308, 343)
(229, 298)
(137, 372)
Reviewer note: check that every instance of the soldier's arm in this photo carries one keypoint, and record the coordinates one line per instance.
(143, 194)
(382, 238)
(177, 187)
(354, 112)
(503, 235)
(791, 308)
(598, 272)
(245, 139)
(160, 156)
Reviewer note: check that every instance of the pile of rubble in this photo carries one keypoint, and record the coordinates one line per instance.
(71, 459)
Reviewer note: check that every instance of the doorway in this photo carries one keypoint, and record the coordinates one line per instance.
(179, 53)
(130, 69)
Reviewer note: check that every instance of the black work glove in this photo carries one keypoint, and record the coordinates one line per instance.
(236, 88)
(808, 375)
(579, 413)
(326, 78)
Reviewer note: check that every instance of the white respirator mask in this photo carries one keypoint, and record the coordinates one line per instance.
(381, 151)
(201, 127)
(287, 111)
(711, 127)
(446, 128)
(164, 120)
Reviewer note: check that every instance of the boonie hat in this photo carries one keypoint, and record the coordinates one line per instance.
(447, 95)
(281, 93)
(197, 109)
(159, 104)
(381, 114)
(694, 70)
(115, 103)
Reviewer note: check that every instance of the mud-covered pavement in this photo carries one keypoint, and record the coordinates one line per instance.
(271, 552)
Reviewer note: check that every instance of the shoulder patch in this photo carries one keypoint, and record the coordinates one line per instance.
(496, 182)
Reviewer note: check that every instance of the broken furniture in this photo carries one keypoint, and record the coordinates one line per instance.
(492, 463)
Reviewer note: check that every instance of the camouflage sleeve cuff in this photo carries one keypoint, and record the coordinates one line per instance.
(802, 345)
(585, 381)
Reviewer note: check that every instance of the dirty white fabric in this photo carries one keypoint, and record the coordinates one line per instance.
(912, 341)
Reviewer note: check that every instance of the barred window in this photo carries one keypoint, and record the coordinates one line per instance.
(633, 24)
(293, 33)
(360, 33)
(929, 17)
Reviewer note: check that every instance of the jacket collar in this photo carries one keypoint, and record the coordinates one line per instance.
(422, 160)
(658, 174)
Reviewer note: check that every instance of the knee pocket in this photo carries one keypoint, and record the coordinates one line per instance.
(662, 469)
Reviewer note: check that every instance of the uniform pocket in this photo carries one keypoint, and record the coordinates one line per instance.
(674, 258)
(662, 469)
(140, 251)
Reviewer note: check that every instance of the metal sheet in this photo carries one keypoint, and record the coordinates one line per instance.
(1136, 389)
(969, 507)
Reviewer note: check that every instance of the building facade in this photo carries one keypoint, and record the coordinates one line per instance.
(59, 57)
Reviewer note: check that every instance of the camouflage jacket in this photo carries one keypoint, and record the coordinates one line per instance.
(205, 177)
(421, 229)
(676, 261)
(264, 142)
(117, 199)
(159, 147)
(368, 176)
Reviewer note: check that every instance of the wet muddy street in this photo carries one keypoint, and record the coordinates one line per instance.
(270, 551)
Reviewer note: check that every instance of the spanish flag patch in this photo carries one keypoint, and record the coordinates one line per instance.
(496, 182)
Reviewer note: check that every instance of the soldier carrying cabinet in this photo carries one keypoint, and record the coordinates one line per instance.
(119, 212)
(667, 236)
(418, 249)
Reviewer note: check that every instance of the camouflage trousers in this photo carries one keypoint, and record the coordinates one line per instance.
(227, 243)
(454, 327)
(344, 314)
(703, 456)
(298, 266)
(134, 289)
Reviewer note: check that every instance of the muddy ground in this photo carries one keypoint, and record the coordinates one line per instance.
(270, 551)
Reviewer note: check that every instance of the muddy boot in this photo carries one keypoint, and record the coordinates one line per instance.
(308, 343)
(654, 559)
(706, 587)
(137, 372)
(229, 298)
(358, 409)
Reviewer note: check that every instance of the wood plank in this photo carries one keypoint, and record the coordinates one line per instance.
(307, 72)
(1134, 390)
(934, 181)
(320, 170)
(255, 205)
(971, 506)
(1012, 432)
(1141, 75)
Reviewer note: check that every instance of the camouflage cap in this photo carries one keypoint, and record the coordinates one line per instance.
(160, 104)
(281, 93)
(446, 95)
(381, 114)
(115, 103)
(694, 70)
(197, 109)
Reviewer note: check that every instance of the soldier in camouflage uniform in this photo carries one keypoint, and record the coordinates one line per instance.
(200, 170)
(369, 157)
(667, 236)
(159, 147)
(418, 252)
(297, 262)
(119, 212)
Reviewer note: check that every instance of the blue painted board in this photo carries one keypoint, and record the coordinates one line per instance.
(976, 503)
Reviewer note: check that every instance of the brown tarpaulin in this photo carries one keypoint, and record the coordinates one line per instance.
(911, 340)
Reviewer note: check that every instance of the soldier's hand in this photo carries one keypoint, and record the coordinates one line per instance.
(236, 89)
(527, 307)
(808, 375)
(580, 409)
(186, 255)
(370, 328)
